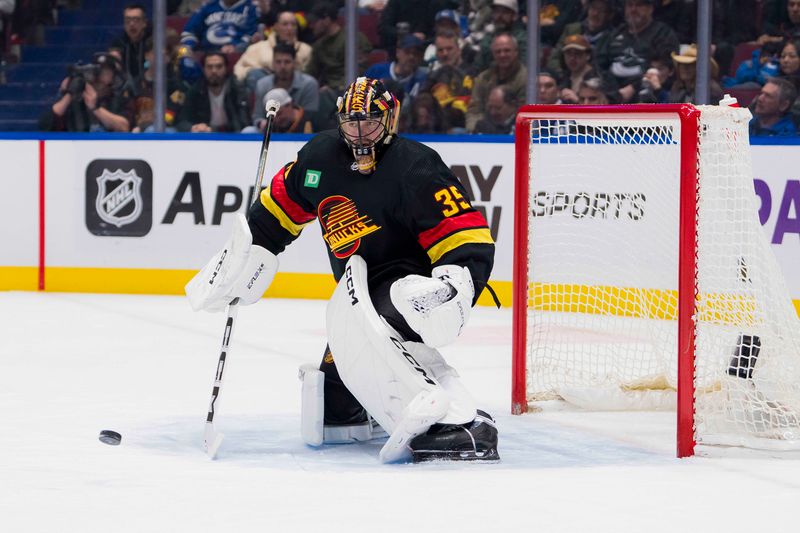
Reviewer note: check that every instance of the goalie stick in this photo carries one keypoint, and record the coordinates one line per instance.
(211, 437)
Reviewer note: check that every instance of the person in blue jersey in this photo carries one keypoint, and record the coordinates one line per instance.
(221, 25)
(406, 71)
(410, 255)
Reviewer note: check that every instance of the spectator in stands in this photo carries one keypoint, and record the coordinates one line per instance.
(144, 96)
(401, 17)
(406, 70)
(554, 15)
(657, 81)
(327, 53)
(683, 89)
(626, 52)
(448, 82)
(302, 88)
(507, 70)
(763, 64)
(677, 14)
(501, 110)
(426, 116)
(479, 21)
(781, 20)
(576, 63)
(771, 115)
(256, 62)
(593, 92)
(131, 43)
(29, 19)
(225, 26)
(549, 92)
(595, 25)
(215, 103)
(92, 99)
(505, 16)
(290, 118)
(448, 22)
(790, 62)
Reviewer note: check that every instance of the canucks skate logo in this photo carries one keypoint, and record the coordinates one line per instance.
(343, 228)
(119, 197)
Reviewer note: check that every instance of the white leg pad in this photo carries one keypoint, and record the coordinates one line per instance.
(312, 405)
(463, 407)
(427, 408)
(312, 415)
(383, 372)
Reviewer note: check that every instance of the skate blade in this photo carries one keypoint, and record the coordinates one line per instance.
(425, 456)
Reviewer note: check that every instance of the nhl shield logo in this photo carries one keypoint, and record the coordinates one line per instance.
(119, 197)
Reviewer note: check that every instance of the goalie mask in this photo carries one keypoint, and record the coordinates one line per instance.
(367, 114)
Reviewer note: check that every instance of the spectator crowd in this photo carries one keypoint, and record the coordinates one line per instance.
(456, 66)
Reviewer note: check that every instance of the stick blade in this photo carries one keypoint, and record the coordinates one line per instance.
(212, 441)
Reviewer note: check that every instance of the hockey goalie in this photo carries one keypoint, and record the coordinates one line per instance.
(410, 255)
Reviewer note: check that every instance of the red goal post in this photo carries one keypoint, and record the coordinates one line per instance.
(580, 305)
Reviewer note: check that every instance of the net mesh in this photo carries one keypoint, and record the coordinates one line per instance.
(603, 277)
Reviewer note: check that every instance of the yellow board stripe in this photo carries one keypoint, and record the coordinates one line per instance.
(277, 212)
(660, 304)
(19, 278)
(468, 236)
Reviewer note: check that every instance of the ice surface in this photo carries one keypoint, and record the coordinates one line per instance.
(72, 365)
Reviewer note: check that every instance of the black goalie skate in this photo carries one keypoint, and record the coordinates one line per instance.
(474, 441)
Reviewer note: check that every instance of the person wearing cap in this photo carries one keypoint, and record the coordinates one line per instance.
(683, 88)
(405, 71)
(92, 101)
(216, 103)
(505, 17)
(576, 63)
(327, 52)
(256, 62)
(599, 17)
(400, 17)
(507, 70)
(302, 88)
(625, 53)
(290, 118)
(447, 22)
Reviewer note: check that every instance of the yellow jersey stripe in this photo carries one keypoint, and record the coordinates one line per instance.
(277, 212)
(453, 241)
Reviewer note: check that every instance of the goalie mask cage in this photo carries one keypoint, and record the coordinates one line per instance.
(643, 278)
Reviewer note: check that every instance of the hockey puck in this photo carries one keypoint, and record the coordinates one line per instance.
(110, 437)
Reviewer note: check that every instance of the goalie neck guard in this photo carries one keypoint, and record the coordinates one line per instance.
(367, 115)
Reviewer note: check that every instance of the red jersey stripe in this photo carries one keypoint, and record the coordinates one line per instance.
(297, 214)
(469, 220)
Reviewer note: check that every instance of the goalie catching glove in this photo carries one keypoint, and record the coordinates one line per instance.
(240, 270)
(437, 307)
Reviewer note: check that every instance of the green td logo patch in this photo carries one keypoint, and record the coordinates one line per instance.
(312, 178)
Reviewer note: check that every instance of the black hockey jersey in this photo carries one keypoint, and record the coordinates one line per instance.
(408, 216)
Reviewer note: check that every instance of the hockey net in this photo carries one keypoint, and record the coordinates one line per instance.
(643, 279)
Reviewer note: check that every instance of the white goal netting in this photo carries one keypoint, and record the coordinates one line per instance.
(603, 258)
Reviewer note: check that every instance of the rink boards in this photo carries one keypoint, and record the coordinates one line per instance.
(140, 214)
